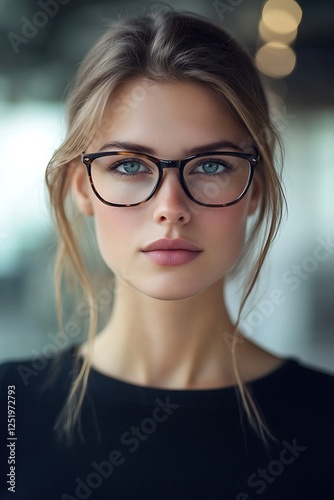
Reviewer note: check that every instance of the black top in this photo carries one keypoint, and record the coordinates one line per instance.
(150, 443)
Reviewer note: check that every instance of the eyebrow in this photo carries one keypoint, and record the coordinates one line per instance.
(138, 148)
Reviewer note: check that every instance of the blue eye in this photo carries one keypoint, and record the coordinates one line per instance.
(211, 167)
(130, 167)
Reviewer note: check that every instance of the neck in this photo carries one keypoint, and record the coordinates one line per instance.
(176, 343)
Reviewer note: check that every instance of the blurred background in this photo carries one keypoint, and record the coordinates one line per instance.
(42, 42)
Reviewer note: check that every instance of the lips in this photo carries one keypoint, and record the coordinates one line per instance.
(171, 252)
(171, 244)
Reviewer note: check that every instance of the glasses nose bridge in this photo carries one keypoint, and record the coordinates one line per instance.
(167, 164)
(170, 164)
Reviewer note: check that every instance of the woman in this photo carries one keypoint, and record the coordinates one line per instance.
(170, 150)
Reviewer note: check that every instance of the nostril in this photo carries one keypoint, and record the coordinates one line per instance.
(173, 218)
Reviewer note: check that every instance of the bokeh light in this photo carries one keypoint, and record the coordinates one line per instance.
(282, 16)
(276, 59)
(268, 35)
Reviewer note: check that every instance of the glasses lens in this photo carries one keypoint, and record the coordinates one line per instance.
(217, 179)
(124, 180)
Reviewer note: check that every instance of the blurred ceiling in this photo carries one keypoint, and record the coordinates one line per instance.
(43, 41)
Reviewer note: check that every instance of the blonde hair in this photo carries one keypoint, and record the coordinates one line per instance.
(162, 47)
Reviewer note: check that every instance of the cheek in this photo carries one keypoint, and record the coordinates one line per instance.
(108, 232)
(229, 222)
(115, 229)
(227, 231)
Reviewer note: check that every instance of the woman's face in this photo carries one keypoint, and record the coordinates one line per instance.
(170, 120)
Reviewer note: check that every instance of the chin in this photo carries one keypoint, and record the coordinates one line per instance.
(170, 296)
(172, 290)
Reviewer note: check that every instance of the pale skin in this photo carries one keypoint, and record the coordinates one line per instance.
(169, 323)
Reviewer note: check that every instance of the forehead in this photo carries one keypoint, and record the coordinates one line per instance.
(169, 115)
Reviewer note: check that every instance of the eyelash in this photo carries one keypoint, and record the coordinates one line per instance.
(227, 166)
(114, 167)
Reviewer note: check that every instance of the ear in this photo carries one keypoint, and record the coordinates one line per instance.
(255, 195)
(81, 189)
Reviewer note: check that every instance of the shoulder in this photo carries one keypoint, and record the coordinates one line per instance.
(317, 380)
(292, 372)
(31, 376)
(276, 377)
(298, 392)
(316, 386)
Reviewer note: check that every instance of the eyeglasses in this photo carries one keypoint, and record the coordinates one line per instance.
(127, 179)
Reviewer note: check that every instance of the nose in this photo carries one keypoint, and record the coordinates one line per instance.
(171, 202)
